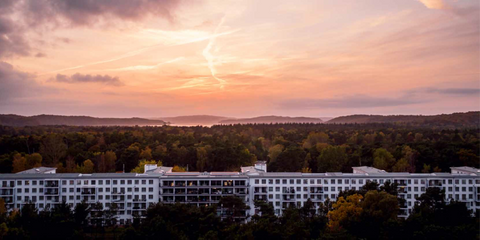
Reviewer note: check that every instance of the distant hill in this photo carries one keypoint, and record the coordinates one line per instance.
(272, 119)
(18, 121)
(194, 120)
(468, 118)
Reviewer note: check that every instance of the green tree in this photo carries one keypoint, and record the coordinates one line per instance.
(332, 159)
(274, 152)
(383, 159)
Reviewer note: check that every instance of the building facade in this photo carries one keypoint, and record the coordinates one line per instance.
(132, 193)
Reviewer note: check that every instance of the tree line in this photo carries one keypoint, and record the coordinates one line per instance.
(286, 147)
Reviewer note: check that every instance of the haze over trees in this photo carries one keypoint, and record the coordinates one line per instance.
(286, 147)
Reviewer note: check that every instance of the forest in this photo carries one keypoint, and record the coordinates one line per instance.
(368, 213)
(406, 147)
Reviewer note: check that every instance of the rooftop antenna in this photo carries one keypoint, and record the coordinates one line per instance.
(124, 168)
(187, 167)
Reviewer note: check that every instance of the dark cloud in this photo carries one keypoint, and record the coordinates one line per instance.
(40, 55)
(16, 85)
(80, 78)
(358, 101)
(12, 41)
(83, 12)
(455, 91)
(17, 17)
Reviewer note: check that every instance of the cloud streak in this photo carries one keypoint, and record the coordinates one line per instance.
(145, 67)
(210, 58)
(358, 101)
(80, 78)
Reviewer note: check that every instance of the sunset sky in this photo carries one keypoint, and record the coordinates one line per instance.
(243, 58)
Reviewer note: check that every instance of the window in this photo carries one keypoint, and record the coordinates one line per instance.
(277, 181)
(299, 181)
(100, 182)
(144, 181)
(150, 181)
(72, 182)
(360, 181)
(115, 182)
(291, 181)
(137, 182)
(122, 182)
(284, 181)
(257, 181)
(64, 182)
(277, 189)
(93, 182)
(264, 181)
(347, 181)
(340, 181)
(332, 181)
(107, 182)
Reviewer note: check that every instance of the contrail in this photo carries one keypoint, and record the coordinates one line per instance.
(139, 51)
(144, 67)
(210, 58)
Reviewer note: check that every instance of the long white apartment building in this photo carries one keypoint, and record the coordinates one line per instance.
(133, 192)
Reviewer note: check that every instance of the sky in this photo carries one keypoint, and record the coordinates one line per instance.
(245, 58)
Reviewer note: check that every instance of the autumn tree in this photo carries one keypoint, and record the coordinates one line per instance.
(146, 154)
(33, 160)
(110, 160)
(141, 165)
(345, 211)
(177, 168)
(19, 163)
(86, 167)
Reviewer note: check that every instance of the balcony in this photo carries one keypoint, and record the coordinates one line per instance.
(51, 185)
(434, 184)
(51, 192)
(88, 192)
(118, 193)
(8, 185)
(6, 192)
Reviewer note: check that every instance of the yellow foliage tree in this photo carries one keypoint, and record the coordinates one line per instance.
(177, 168)
(146, 154)
(19, 163)
(344, 210)
(141, 165)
